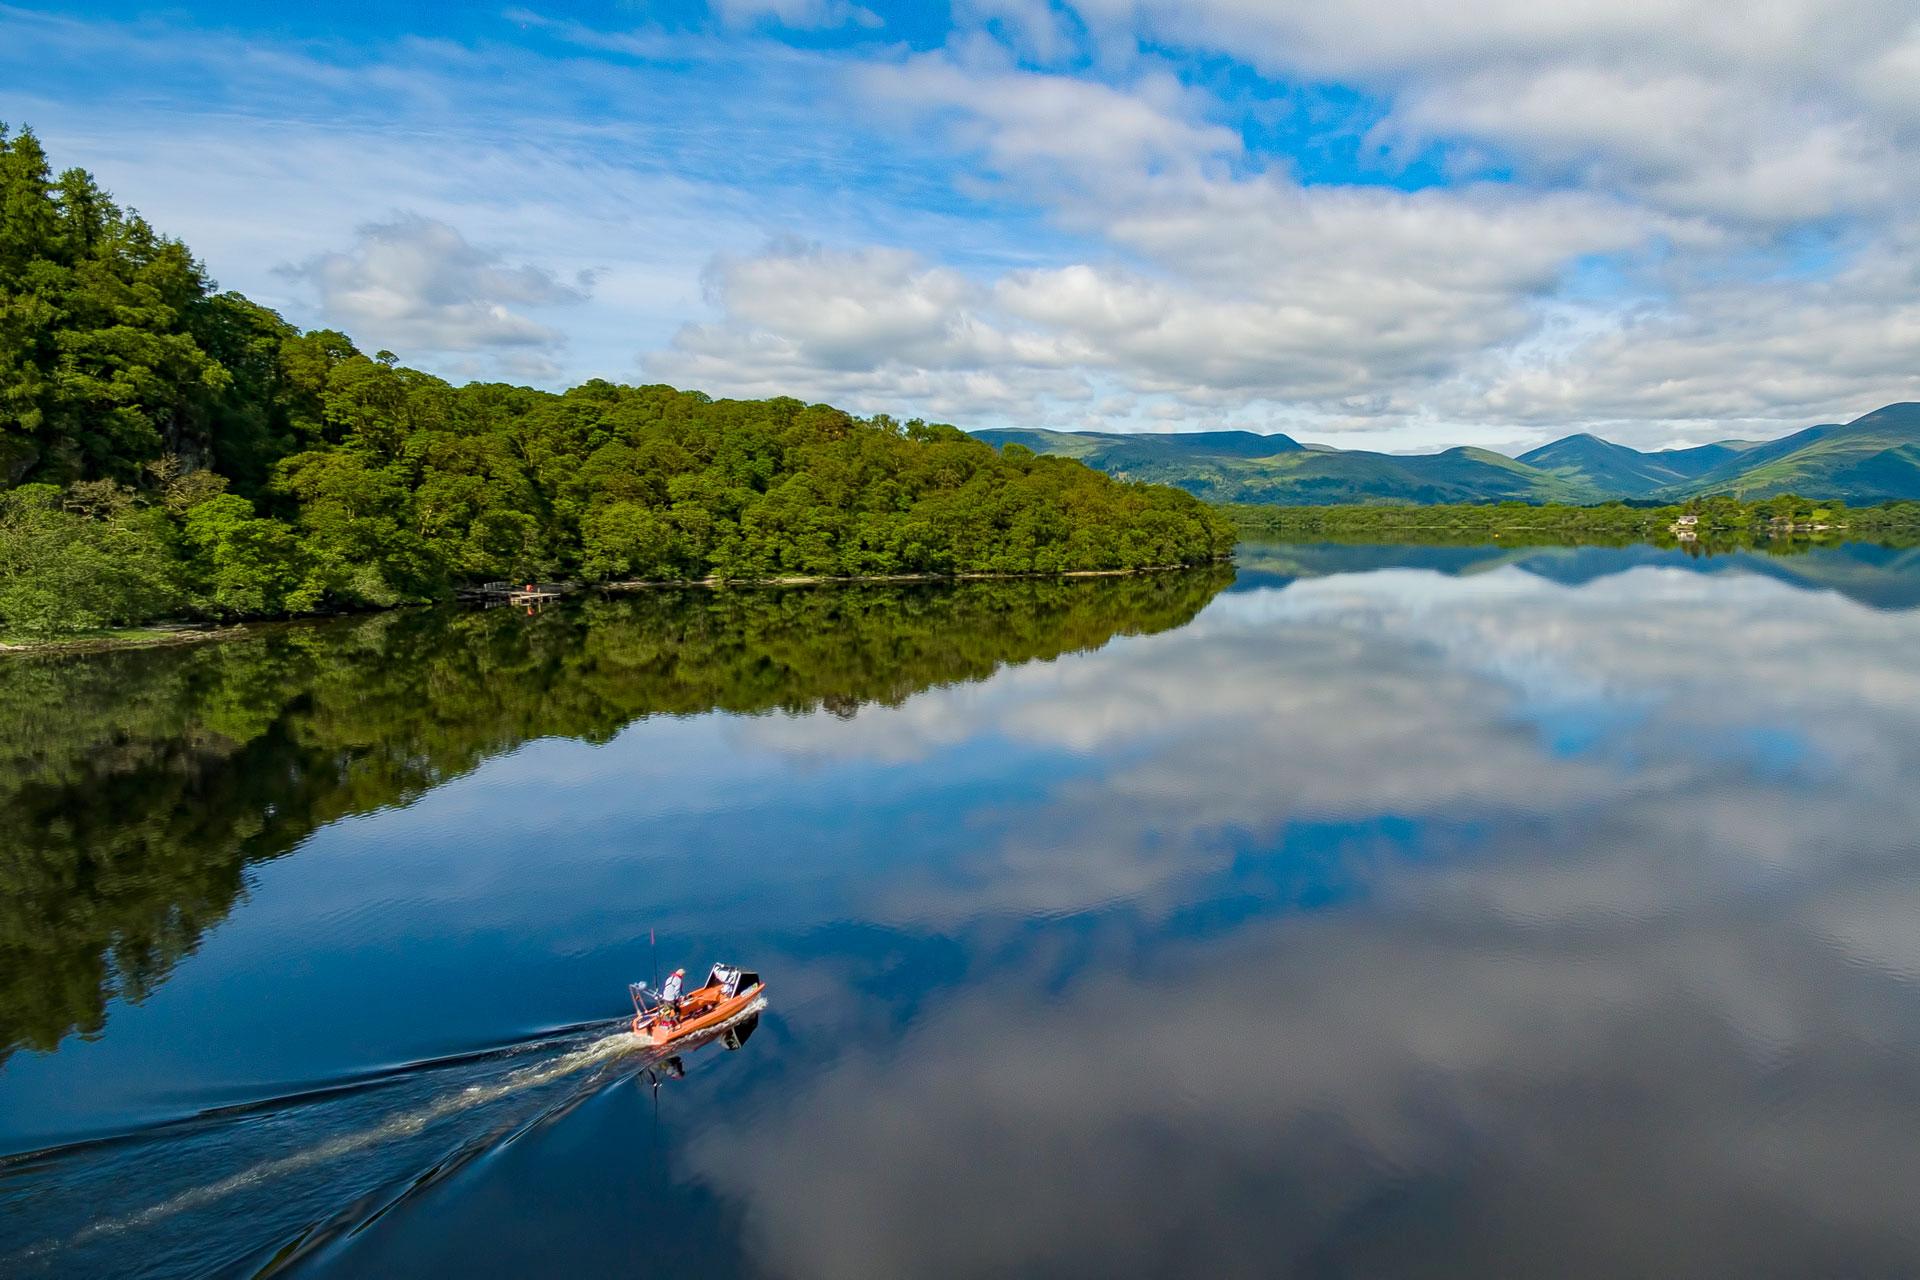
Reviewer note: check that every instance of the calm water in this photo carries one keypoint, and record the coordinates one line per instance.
(1423, 910)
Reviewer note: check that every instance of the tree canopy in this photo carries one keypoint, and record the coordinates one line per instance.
(229, 465)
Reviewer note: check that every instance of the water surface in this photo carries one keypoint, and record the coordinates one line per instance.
(1431, 910)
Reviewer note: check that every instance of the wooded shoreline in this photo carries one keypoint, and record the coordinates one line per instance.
(184, 453)
(183, 631)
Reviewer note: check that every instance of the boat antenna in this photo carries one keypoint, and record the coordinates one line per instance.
(654, 953)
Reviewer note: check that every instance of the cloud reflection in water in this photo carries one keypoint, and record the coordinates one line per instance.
(1605, 962)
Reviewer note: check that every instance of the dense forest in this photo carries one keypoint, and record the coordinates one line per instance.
(1724, 520)
(127, 821)
(169, 450)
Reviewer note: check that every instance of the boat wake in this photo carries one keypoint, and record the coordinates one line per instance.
(264, 1183)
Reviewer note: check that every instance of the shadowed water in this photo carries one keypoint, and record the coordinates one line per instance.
(1400, 909)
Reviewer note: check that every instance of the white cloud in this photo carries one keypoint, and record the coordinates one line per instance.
(1034, 28)
(1248, 289)
(872, 329)
(1349, 38)
(801, 15)
(416, 283)
(1795, 110)
(840, 305)
(1687, 141)
(1690, 144)
(1669, 220)
(1315, 296)
(1057, 128)
(1731, 356)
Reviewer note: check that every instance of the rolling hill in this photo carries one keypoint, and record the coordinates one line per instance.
(1614, 469)
(1872, 459)
(1875, 458)
(1240, 466)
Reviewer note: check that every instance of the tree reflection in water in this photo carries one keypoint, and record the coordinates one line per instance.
(136, 787)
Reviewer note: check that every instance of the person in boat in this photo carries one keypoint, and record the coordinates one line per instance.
(670, 992)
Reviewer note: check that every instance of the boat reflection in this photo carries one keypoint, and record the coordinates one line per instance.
(731, 1036)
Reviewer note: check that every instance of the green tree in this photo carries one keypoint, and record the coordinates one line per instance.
(243, 566)
(82, 561)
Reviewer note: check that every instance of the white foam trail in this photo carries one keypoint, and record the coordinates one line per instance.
(603, 1050)
(606, 1049)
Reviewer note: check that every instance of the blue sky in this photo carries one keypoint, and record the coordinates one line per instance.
(1362, 221)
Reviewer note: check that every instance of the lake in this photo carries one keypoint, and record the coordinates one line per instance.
(1369, 910)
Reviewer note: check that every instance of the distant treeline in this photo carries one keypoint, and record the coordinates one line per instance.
(1725, 520)
(170, 451)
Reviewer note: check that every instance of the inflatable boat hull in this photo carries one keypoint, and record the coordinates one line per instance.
(699, 1011)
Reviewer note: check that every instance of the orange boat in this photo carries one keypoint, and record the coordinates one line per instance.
(727, 993)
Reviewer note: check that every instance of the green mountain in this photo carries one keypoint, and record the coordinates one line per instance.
(1616, 470)
(1872, 459)
(1240, 466)
(1135, 455)
(1875, 458)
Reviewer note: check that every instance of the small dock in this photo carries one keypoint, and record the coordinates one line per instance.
(532, 595)
(518, 593)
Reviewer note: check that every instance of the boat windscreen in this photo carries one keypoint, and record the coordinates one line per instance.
(730, 980)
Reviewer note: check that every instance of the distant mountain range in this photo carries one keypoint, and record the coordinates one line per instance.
(1871, 459)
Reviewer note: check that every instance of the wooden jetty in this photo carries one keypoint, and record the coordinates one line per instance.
(531, 595)
(522, 593)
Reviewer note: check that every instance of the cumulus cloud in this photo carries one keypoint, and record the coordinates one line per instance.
(1234, 290)
(1247, 297)
(1313, 296)
(1694, 147)
(416, 282)
(874, 329)
(1668, 221)
(1775, 118)
(1823, 347)
(1054, 126)
(1686, 141)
